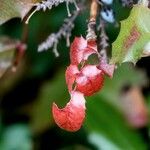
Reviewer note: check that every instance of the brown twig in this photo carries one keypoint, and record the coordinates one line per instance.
(91, 35)
(20, 48)
(24, 33)
(103, 42)
(93, 11)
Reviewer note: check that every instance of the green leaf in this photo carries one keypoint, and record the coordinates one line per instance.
(14, 8)
(133, 40)
(7, 50)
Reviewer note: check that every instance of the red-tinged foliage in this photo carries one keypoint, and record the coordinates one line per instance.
(71, 117)
(90, 80)
(77, 48)
(92, 44)
(82, 80)
(108, 69)
(81, 50)
(70, 75)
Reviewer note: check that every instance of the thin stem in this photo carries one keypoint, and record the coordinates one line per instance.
(20, 48)
(55, 49)
(24, 33)
(76, 6)
(91, 35)
(64, 31)
(68, 10)
(27, 21)
(93, 10)
(103, 42)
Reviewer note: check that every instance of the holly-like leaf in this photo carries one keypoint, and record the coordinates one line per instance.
(14, 8)
(132, 41)
(89, 80)
(81, 50)
(71, 117)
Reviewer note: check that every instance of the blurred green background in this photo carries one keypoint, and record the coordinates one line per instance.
(26, 96)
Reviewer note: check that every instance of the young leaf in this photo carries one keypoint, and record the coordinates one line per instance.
(81, 50)
(108, 69)
(90, 80)
(71, 72)
(71, 117)
(133, 37)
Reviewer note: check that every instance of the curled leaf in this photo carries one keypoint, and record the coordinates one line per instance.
(71, 72)
(72, 116)
(108, 69)
(81, 50)
(90, 80)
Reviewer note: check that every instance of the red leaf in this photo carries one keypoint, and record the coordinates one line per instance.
(90, 80)
(72, 116)
(71, 72)
(81, 50)
(92, 44)
(108, 69)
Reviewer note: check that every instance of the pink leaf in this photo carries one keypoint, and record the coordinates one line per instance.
(90, 80)
(81, 50)
(87, 53)
(72, 116)
(92, 44)
(70, 74)
(108, 69)
(77, 49)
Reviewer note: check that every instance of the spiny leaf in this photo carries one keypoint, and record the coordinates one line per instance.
(134, 36)
(14, 8)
